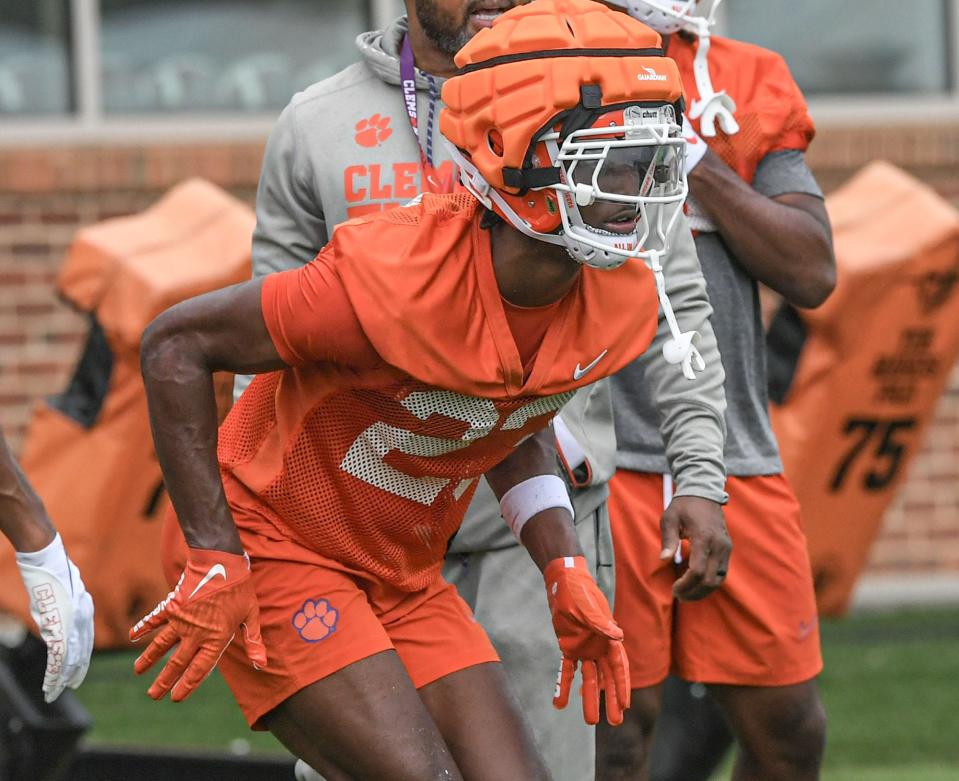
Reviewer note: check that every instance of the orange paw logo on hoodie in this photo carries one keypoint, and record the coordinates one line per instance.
(373, 131)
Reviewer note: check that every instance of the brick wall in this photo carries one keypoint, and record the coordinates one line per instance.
(45, 194)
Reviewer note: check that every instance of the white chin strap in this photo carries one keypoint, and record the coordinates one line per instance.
(680, 349)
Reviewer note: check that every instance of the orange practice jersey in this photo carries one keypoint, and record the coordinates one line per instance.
(406, 384)
(770, 107)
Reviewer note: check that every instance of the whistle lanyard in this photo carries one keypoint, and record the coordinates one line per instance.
(432, 179)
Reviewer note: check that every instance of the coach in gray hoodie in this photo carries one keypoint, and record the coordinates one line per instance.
(366, 139)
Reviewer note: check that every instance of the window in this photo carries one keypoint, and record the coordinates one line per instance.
(34, 57)
(855, 46)
(139, 68)
(99, 68)
(236, 56)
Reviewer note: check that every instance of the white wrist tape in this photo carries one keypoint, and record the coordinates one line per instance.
(526, 499)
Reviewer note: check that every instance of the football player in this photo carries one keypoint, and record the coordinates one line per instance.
(423, 348)
(59, 603)
(366, 139)
(759, 217)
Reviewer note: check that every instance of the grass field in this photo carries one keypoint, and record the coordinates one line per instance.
(890, 689)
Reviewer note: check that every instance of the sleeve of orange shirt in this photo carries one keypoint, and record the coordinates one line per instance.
(311, 319)
(794, 128)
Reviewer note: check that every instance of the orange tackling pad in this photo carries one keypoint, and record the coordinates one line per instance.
(875, 361)
(101, 485)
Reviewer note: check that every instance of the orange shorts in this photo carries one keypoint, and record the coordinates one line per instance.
(318, 616)
(760, 628)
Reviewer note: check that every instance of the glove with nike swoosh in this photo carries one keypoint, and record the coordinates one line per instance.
(587, 635)
(213, 598)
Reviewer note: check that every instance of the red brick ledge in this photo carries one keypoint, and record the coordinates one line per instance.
(95, 168)
(906, 146)
(932, 150)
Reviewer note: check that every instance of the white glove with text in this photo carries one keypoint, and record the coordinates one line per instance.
(63, 612)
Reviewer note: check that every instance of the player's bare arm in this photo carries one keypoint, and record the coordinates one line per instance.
(548, 534)
(525, 482)
(23, 519)
(181, 350)
(59, 602)
(803, 267)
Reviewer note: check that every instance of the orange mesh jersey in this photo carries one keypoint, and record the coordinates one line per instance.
(770, 107)
(406, 385)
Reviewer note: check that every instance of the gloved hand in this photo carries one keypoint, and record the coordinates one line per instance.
(63, 612)
(213, 598)
(587, 634)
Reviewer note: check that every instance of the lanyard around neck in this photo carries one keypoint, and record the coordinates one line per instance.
(432, 181)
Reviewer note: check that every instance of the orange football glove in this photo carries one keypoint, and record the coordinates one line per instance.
(587, 633)
(212, 599)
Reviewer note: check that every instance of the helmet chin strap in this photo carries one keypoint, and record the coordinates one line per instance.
(681, 348)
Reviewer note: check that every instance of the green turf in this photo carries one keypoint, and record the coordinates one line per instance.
(920, 772)
(890, 690)
(124, 715)
(889, 687)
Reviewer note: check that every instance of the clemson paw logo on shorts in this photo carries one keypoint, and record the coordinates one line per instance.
(373, 131)
(316, 620)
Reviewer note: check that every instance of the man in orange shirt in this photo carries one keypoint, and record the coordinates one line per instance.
(422, 348)
(759, 217)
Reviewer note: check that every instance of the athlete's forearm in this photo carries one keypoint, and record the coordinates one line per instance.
(180, 351)
(183, 418)
(548, 534)
(785, 243)
(23, 519)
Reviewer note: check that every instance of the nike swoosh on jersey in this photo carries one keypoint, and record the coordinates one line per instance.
(579, 373)
(216, 569)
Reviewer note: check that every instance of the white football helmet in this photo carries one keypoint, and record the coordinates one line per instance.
(670, 16)
(695, 17)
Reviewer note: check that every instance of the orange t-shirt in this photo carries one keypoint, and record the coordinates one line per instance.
(529, 324)
(406, 384)
(770, 107)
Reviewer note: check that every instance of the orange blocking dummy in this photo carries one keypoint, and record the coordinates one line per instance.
(871, 369)
(88, 451)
